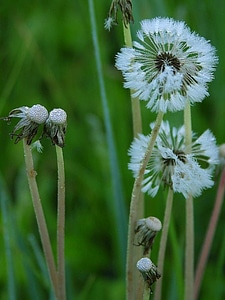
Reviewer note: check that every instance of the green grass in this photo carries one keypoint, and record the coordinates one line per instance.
(47, 56)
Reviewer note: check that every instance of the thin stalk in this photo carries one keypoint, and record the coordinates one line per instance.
(135, 200)
(163, 242)
(42, 226)
(189, 245)
(135, 102)
(189, 250)
(137, 128)
(210, 234)
(61, 224)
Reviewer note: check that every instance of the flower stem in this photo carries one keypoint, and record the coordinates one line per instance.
(189, 245)
(42, 226)
(135, 102)
(137, 128)
(131, 271)
(163, 241)
(210, 234)
(61, 224)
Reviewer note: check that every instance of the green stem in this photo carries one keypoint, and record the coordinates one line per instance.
(127, 35)
(137, 128)
(210, 234)
(163, 241)
(61, 224)
(135, 102)
(132, 258)
(189, 246)
(42, 226)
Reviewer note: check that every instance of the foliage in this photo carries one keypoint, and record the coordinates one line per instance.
(47, 57)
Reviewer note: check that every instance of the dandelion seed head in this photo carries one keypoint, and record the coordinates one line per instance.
(55, 126)
(168, 65)
(30, 119)
(172, 164)
(37, 114)
(144, 265)
(57, 116)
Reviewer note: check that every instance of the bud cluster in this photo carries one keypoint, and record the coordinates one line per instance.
(55, 123)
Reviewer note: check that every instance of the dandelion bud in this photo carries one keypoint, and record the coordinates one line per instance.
(55, 126)
(126, 9)
(146, 230)
(148, 271)
(31, 118)
(37, 114)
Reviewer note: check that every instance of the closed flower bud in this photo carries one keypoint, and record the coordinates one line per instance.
(31, 118)
(148, 271)
(146, 230)
(55, 126)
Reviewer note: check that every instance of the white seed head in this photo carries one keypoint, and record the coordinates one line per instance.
(58, 116)
(37, 114)
(153, 223)
(144, 265)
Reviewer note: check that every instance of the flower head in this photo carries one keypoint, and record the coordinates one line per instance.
(55, 126)
(168, 65)
(146, 230)
(126, 9)
(31, 118)
(148, 270)
(186, 171)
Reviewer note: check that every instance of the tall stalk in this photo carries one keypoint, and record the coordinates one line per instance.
(135, 200)
(189, 245)
(163, 242)
(61, 225)
(41, 221)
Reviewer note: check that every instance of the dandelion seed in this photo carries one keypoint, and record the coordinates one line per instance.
(37, 146)
(168, 65)
(31, 119)
(172, 164)
(109, 22)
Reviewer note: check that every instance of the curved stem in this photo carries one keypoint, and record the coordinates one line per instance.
(42, 226)
(61, 224)
(163, 241)
(135, 200)
(139, 208)
(210, 234)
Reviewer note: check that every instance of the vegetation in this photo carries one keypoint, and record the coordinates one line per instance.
(47, 57)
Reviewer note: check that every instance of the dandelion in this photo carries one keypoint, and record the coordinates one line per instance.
(55, 126)
(172, 163)
(31, 119)
(146, 230)
(125, 6)
(168, 65)
(148, 271)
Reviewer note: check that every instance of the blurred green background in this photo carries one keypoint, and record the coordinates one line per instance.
(47, 57)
